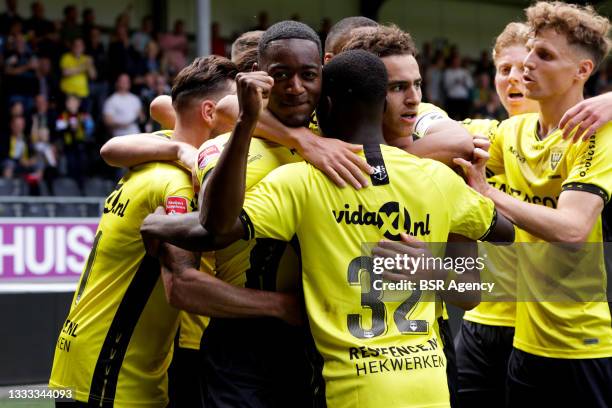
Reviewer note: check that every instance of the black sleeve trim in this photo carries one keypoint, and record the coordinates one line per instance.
(491, 227)
(589, 188)
(249, 230)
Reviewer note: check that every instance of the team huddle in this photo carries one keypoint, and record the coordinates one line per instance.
(235, 262)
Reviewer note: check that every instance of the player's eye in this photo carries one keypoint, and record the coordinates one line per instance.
(309, 75)
(397, 88)
(505, 70)
(546, 56)
(417, 84)
(280, 76)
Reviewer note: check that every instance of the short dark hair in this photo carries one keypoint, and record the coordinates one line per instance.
(203, 78)
(353, 78)
(339, 32)
(287, 30)
(383, 41)
(244, 50)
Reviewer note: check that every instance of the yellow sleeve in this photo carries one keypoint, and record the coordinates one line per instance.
(208, 156)
(66, 61)
(178, 196)
(590, 165)
(273, 208)
(427, 114)
(480, 127)
(495, 164)
(471, 214)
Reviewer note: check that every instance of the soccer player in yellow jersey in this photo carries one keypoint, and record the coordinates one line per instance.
(115, 346)
(369, 360)
(562, 351)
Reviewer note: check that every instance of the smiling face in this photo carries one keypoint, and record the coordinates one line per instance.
(295, 65)
(509, 80)
(551, 66)
(403, 96)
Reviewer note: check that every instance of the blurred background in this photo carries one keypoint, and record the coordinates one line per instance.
(75, 73)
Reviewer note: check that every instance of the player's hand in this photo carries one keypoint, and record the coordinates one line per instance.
(292, 309)
(253, 89)
(337, 159)
(408, 248)
(587, 117)
(186, 155)
(475, 171)
(152, 244)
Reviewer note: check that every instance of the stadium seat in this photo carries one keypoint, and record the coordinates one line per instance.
(65, 186)
(7, 210)
(35, 210)
(98, 187)
(70, 210)
(12, 187)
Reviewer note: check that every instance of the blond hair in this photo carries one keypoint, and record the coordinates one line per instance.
(581, 25)
(381, 40)
(514, 33)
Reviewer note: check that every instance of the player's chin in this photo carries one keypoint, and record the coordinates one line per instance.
(296, 118)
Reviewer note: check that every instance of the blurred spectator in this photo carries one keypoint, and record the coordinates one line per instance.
(70, 28)
(20, 69)
(295, 17)
(74, 131)
(142, 37)
(485, 66)
(38, 23)
(48, 83)
(42, 119)
(18, 160)
(89, 23)
(458, 85)
(123, 20)
(98, 86)
(433, 81)
(175, 47)
(122, 55)
(76, 69)
(16, 109)
(482, 92)
(9, 16)
(218, 44)
(155, 85)
(122, 109)
(493, 109)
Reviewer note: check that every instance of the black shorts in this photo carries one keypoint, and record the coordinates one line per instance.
(185, 378)
(482, 364)
(448, 347)
(535, 381)
(259, 363)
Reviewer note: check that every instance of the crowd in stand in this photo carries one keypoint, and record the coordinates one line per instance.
(68, 86)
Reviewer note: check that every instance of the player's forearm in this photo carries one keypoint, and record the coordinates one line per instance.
(201, 293)
(267, 126)
(131, 150)
(162, 112)
(224, 192)
(461, 247)
(181, 230)
(549, 224)
(445, 140)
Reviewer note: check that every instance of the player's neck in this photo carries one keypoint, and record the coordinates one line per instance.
(552, 110)
(362, 133)
(188, 132)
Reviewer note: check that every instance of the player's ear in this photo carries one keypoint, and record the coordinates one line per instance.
(585, 68)
(255, 67)
(327, 57)
(207, 110)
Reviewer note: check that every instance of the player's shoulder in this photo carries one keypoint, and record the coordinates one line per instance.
(425, 107)
(408, 164)
(524, 119)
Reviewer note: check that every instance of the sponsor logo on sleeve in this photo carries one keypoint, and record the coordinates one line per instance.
(176, 205)
(207, 155)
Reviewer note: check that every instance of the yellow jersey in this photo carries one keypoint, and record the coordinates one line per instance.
(500, 261)
(74, 84)
(116, 344)
(537, 171)
(379, 346)
(262, 264)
